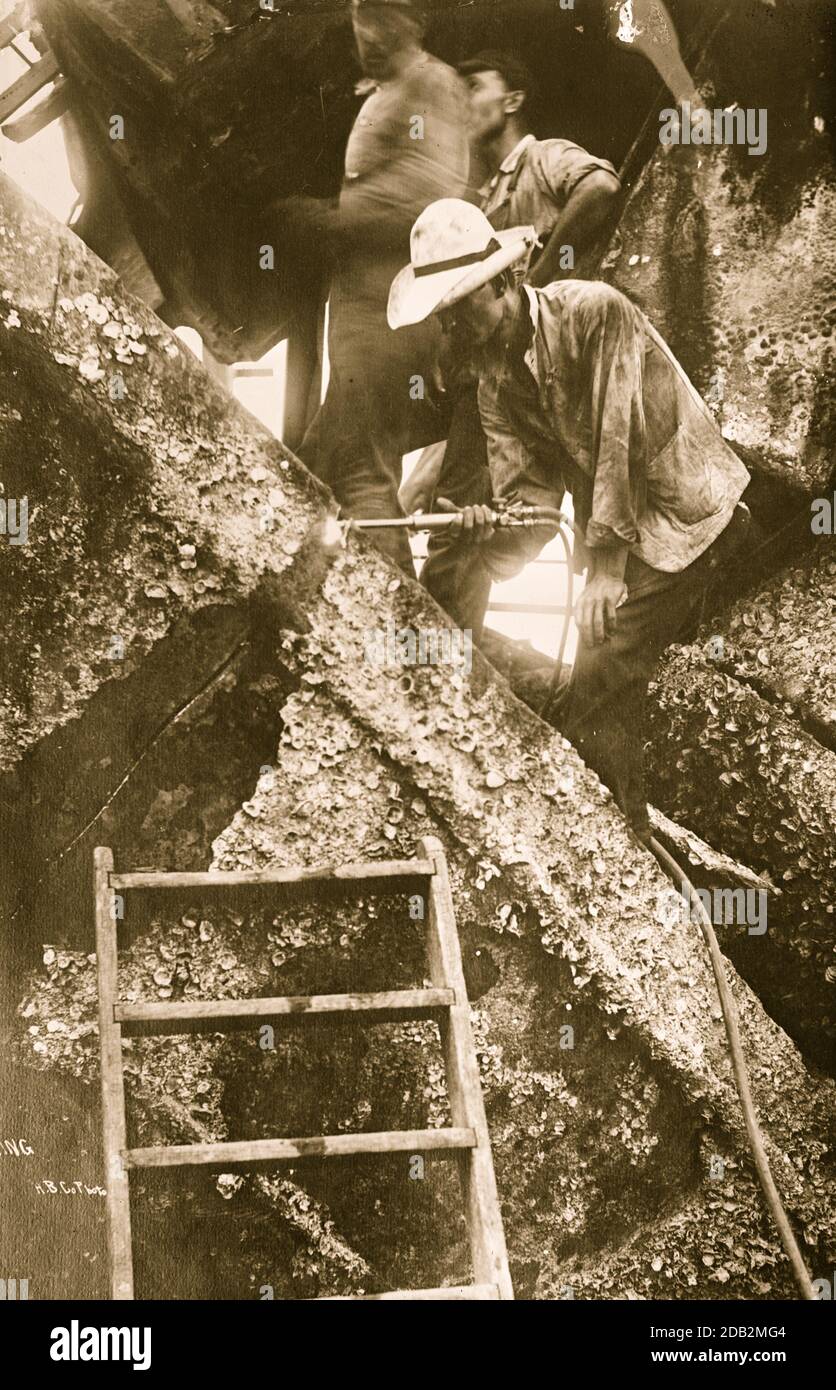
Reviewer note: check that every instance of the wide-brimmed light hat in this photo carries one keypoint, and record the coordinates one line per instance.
(454, 251)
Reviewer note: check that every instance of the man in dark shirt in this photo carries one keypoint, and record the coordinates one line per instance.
(408, 147)
(578, 392)
(569, 196)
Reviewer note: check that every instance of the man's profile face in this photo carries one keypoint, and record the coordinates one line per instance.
(473, 321)
(490, 98)
(381, 34)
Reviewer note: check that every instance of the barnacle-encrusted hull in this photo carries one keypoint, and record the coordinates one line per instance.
(166, 517)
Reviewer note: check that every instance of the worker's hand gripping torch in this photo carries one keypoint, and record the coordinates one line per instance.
(504, 514)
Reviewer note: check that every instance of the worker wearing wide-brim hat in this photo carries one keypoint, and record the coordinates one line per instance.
(570, 196)
(454, 250)
(578, 392)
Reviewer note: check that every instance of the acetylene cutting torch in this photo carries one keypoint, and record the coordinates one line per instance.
(504, 516)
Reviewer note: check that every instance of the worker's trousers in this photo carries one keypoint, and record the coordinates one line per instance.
(356, 446)
(375, 409)
(602, 709)
(453, 572)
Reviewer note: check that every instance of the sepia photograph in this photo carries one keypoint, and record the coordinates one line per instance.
(418, 690)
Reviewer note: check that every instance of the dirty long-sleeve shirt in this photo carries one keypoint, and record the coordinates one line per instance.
(587, 397)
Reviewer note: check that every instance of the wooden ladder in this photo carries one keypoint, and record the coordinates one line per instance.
(446, 1002)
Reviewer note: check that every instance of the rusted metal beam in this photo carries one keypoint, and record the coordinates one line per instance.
(21, 91)
(53, 106)
(12, 24)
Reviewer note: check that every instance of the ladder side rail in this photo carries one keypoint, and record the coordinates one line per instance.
(484, 1216)
(113, 1084)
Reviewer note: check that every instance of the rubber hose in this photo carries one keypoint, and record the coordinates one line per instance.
(680, 880)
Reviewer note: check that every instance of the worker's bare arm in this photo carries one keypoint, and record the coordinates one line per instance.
(605, 591)
(332, 228)
(591, 205)
(377, 217)
(476, 523)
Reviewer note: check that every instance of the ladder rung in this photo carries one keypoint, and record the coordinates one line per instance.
(320, 1146)
(328, 873)
(401, 1003)
(482, 1292)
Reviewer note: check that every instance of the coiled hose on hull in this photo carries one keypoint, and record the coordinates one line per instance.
(682, 883)
(518, 515)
